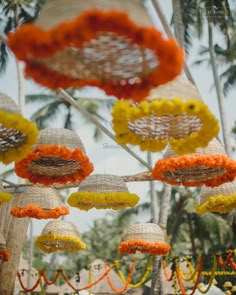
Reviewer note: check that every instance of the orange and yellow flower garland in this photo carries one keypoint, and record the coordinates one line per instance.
(36, 44)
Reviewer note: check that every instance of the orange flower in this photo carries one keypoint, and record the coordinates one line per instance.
(4, 255)
(85, 167)
(34, 45)
(131, 246)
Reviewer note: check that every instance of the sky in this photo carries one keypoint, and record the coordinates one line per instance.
(106, 155)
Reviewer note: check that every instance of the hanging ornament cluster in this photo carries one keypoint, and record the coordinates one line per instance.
(4, 197)
(58, 157)
(100, 47)
(103, 191)
(17, 134)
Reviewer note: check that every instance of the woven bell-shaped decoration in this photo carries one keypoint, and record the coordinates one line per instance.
(4, 254)
(146, 238)
(103, 191)
(17, 134)
(210, 166)
(173, 114)
(111, 44)
(58, 157)
(40, 203)
(59, 235)
(221, 199)
(4, 197)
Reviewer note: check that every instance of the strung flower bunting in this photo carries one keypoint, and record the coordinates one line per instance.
(40, 203)
(17, 134)
(59, 235)
(103, 191)
(221, 199)
(105, 49)
(173, 114)
(4, 197)
(210, 166)
(146, 238)
(58, 157)
(4, 254)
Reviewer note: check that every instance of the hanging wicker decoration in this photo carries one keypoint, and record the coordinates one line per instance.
(109, 44)
(58, 157)
(173, 114)
(40, 203)
(59, 235)
(103, 191)
(17, 134)
(4, 197)
(4, 254)
(210, 166)
(146, 238)
(221, 199)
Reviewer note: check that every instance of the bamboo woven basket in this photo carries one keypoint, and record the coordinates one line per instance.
(7, 104)
(58, 11)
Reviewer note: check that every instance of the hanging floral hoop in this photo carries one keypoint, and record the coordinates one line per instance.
(18, 134)
(103, 192)
(146, 238)
(184, 124)
(209, 166)
(141, 57)
(221, 199)
(50, 163)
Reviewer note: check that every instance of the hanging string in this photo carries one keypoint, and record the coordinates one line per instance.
(53, 281)
(220, 259)
(27, 289)
(192, 273)
(144, 277)
(127, 282)
(168, 278)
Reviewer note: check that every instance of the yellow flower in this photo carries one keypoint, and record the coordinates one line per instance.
(220, 204)
(4, 197)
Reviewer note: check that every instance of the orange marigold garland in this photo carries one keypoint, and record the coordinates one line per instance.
(39, 48)
(4, 255)
(43, 152)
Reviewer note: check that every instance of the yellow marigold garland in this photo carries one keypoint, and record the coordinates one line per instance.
(220, 204)
(113, 200)
(41, 241)
(4, 197)
(125, 112)
(24, 126)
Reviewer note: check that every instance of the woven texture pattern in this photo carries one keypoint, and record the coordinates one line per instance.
(2, 242)
(7, 104)
(103, 183)
(149, 232)
(57, 11)
(61, 227)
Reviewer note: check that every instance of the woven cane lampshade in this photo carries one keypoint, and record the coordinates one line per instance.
(221, 199)
(59, 235)
(110, 44)
(173, 114)
(58, 157)
(40, 203)
(103, 191)
(4, 197)
(210, 166)
(4, 254)
(17, 134)
(146, 238)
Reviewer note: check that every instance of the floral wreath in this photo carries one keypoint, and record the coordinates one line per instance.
(186, 162)
(125, 114)
(26, 128)
(22, 168)
(35, 211)
(219, 203)
(4, 255)
(4, 197)
(74, 243)
(113, 200)
(39, 44)
(131, 246)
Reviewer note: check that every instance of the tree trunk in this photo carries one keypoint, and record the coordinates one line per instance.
(219, 92)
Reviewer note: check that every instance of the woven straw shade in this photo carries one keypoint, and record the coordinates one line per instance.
(40, 203)
(17, 135)
(59, 235)
(210, 166)
(146, 238)
(173, 114)
(103, 191)
(220, 199)
(117, 48)
(4, 254)
(2, 242)
(58, 157)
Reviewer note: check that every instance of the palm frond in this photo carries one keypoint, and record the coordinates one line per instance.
(229, 77)
(40, 98)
